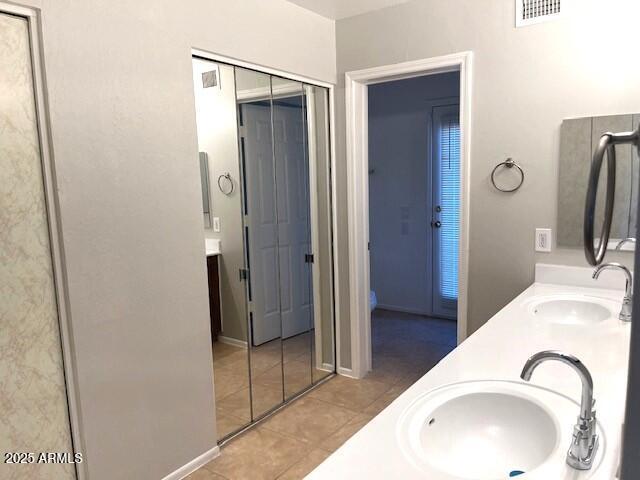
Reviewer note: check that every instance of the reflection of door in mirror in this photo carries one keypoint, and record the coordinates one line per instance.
(214, 87)
(294, 232)
(261, 237)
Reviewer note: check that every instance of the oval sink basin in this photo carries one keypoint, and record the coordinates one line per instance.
(489, 430)
(570, 310)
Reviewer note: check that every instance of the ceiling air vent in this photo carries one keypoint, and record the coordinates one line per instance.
(529, 12)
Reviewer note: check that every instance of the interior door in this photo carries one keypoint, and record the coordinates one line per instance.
(261, 230)
(445, 223)
(294, 232)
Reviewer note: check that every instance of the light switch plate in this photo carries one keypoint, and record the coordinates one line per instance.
(216, 224)
(543, 239)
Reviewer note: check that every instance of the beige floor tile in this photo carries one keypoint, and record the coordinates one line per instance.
(260, 454)
(204, 474)
(295, 347)
(309, 420)
(238, 368)
(240, 357)
(227, 381)
(264, 399)
(336, 439)
(306, 465)
(262, 359)
(271, 378)
(221, 350)
(235, 406)
(349, 393)
(385, 400)
(226, 423)
(297, 376)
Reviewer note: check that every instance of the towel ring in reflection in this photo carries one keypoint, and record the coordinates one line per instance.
(228, 190)
(508, 163)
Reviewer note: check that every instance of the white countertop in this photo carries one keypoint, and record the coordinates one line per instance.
(212, 246)
(498, 351)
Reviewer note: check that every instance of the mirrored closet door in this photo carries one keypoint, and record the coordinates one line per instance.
(264, 153)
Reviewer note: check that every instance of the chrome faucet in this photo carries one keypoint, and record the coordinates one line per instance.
(585, 440)
(624, 241)
(627, 301)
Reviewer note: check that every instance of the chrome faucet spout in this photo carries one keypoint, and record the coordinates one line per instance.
(627, 301)
(624, 241)
(585, 440)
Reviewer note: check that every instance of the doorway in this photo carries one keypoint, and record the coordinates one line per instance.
(358, 85)
(414, 202)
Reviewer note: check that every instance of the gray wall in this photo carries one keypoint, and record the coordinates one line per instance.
(124, 138)
(400, 202)
(525, 82)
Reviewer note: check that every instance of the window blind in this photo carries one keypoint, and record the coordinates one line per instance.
(450, 203)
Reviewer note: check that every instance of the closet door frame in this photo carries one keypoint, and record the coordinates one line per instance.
(334, 250)
(52, 206)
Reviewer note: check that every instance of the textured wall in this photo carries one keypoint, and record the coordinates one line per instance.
(33, 402)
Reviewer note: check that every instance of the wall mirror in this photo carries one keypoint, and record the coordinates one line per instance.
(275, 337)
(578, 139)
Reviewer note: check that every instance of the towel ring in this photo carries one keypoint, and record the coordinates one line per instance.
(227, 177)
(508, 163)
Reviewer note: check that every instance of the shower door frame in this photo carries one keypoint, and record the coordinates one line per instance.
(52, 212)
(215, 57)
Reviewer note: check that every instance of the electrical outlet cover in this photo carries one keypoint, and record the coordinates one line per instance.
(543, 239)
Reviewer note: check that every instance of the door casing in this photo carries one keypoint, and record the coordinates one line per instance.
(356, 83)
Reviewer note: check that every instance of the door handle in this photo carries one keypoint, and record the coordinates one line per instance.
(436, 224)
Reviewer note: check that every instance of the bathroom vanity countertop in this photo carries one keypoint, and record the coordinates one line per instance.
(212, 246)
(498, 351)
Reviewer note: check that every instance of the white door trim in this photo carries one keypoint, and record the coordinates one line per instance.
(356, 83)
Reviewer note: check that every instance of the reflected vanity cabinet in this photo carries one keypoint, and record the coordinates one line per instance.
(213, 277)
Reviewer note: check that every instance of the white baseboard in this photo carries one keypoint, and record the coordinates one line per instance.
(346, 372)
(232, 341)
(194, 464)
(396, 308)
(327, 367)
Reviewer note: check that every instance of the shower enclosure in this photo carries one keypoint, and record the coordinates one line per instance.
(267, 142)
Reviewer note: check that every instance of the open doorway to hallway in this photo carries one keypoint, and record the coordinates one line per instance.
(414, 215)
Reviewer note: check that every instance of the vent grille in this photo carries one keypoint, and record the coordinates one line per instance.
(210, 79)
(536, 11)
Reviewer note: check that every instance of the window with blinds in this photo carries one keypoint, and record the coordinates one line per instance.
(450, 202)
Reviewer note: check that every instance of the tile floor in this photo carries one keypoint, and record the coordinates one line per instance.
(231, 378)
(297, 439)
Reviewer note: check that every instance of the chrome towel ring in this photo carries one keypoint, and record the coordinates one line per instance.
(508, 163)
(229, 189)
(607, 144)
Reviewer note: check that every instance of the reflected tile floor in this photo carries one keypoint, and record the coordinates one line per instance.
(293, 442)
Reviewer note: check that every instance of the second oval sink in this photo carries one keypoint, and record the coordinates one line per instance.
(570, 310)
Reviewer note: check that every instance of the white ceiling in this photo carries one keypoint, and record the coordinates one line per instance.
(337, 9)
